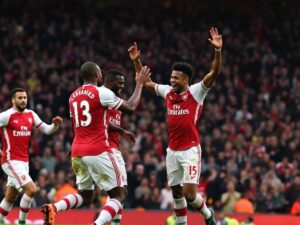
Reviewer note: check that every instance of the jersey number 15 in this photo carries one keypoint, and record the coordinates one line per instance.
(85, 112)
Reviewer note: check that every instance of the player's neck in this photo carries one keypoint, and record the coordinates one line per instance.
(90, 82)
(16, 109)
(184, 89)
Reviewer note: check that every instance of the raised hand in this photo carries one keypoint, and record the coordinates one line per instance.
(134, 53)
(215, 38)
(57, 120)
(143, 76)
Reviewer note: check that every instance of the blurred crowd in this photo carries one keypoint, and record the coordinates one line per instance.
(250, 124)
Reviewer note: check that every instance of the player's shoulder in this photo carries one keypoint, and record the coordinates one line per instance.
(8, 111)
(198, 85)
(162, 89)
(29, 112)
(104, 91)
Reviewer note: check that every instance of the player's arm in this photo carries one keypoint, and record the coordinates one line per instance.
(46, 128)
(133, 101)
(216, 41)
(130, 137)
(134, 54)
(4, 117)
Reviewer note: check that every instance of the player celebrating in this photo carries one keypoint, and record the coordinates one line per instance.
(184, 106)
(92, 159)
(16, 125)
(114, 80)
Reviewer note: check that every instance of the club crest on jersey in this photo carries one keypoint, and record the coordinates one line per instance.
(185, 97)
(16, 121)
(30, 120)
(23, 177)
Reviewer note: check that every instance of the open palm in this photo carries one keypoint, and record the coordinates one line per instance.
(216, 38)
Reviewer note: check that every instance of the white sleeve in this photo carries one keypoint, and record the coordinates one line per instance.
(162, 90)
(4, 117)
(109, 99)
(45, 128)
(199, 91)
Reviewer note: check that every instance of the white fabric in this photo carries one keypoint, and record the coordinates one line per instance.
(4, 117)
(45, 128)
(25, 204)
(199, 91)
(105, 216)
(197, 203)
(184, 166)
(48, 129)
(108, 98)
(62, 205)
(17, 172)
(180, 203)
(162, 90)
(6, 206)
(102, 169)
(121, 162)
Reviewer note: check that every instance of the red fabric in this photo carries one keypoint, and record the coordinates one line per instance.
(181, 212)
(3, 212)
(76, 202)
(110, 210)
(24, 210)
(67, 202)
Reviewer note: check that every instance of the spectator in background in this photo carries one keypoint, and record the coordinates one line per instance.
(293, 192)
(244, 205)
(48, 160)
(229, 198)
(166, 198)
(142, 194)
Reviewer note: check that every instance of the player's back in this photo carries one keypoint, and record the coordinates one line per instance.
(89, 119)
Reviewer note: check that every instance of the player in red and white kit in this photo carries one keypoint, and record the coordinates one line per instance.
(16, 125)
(184, 106)
(114, 80)
(92, 158)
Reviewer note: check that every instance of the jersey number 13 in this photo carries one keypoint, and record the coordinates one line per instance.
(85, 116)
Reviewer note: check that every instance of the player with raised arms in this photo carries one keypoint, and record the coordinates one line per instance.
(184, 106)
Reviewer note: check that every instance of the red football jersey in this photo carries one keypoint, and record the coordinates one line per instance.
(183, 114)
(15, 133)
(113, 136)
(88, 110)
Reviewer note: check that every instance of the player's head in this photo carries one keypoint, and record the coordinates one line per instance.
(90, 72)
(114, 80)
(181, 74)
(19, 99)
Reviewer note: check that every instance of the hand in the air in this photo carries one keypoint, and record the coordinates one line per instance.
(134, 53)
(215, 38)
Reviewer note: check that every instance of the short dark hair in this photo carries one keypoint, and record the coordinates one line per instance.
(15, 90)
(112, 74)
(185, 68)
(88, 69)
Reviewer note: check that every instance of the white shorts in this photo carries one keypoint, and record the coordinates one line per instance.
(184, 167)
(17, 172)
(103, 170)
(122, 167)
